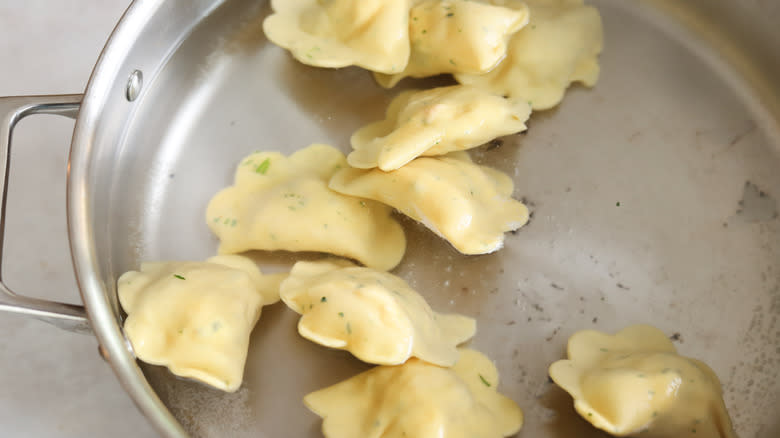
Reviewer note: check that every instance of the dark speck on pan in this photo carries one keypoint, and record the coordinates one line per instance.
(494, 144)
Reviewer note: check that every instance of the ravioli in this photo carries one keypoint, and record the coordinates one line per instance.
(435, 122)
(635, 383)
(457, 36)
(372, 314)
(196, 317)
(373, 34)
(419, 400)
(466, 204)
(559, 46)
(283, 203)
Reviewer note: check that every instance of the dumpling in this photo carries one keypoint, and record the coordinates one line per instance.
(560, 45)
(435, 122)
(457, 36)
(466, 204)
(372, 314)
(281, 203)
(635, 383)
(373, 34)
(419, 400)
(196, 317)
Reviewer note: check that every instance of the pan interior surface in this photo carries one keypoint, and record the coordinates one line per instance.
(654, 197)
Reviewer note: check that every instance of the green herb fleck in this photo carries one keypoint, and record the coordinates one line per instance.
(641, 375)
(604, 349)
(590, 414)
(233, 223)
(362, 203)
(450, 14)
(349, 329)
(324, 299)
(414, 18)
(650, 392)
(216, 219)
(655, 414)
(424, 31)
(693, 430)
(263, 167)
(452, 62)
(179, 277)
(617, 204)
(341, 314)
(181, 331)
(533, 26)
(482, 378)
(227, 221)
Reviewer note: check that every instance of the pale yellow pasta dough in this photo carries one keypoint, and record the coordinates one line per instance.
(419, 400)
(372, 314)
(468, 205)
(635, 384)
(373, 34)
(435, 122)
(196, 317)
(457, 36)
(560, 45)
(281, 203)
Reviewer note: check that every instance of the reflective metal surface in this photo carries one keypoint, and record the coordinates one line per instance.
(12, 110)
(654, 198)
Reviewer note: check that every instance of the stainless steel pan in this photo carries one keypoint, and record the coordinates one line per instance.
(654, 198)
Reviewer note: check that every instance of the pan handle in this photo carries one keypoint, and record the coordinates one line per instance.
(12, 109)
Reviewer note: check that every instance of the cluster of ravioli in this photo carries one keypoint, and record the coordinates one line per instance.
(196, 318)
(509, 57)
(530, 50)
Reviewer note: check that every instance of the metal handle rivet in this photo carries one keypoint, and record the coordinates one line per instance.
(134, 85)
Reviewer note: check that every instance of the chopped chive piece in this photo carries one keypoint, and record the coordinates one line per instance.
(179, 277)
(324, 300)
(263, 167)
(482, 378)
(341, 314)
